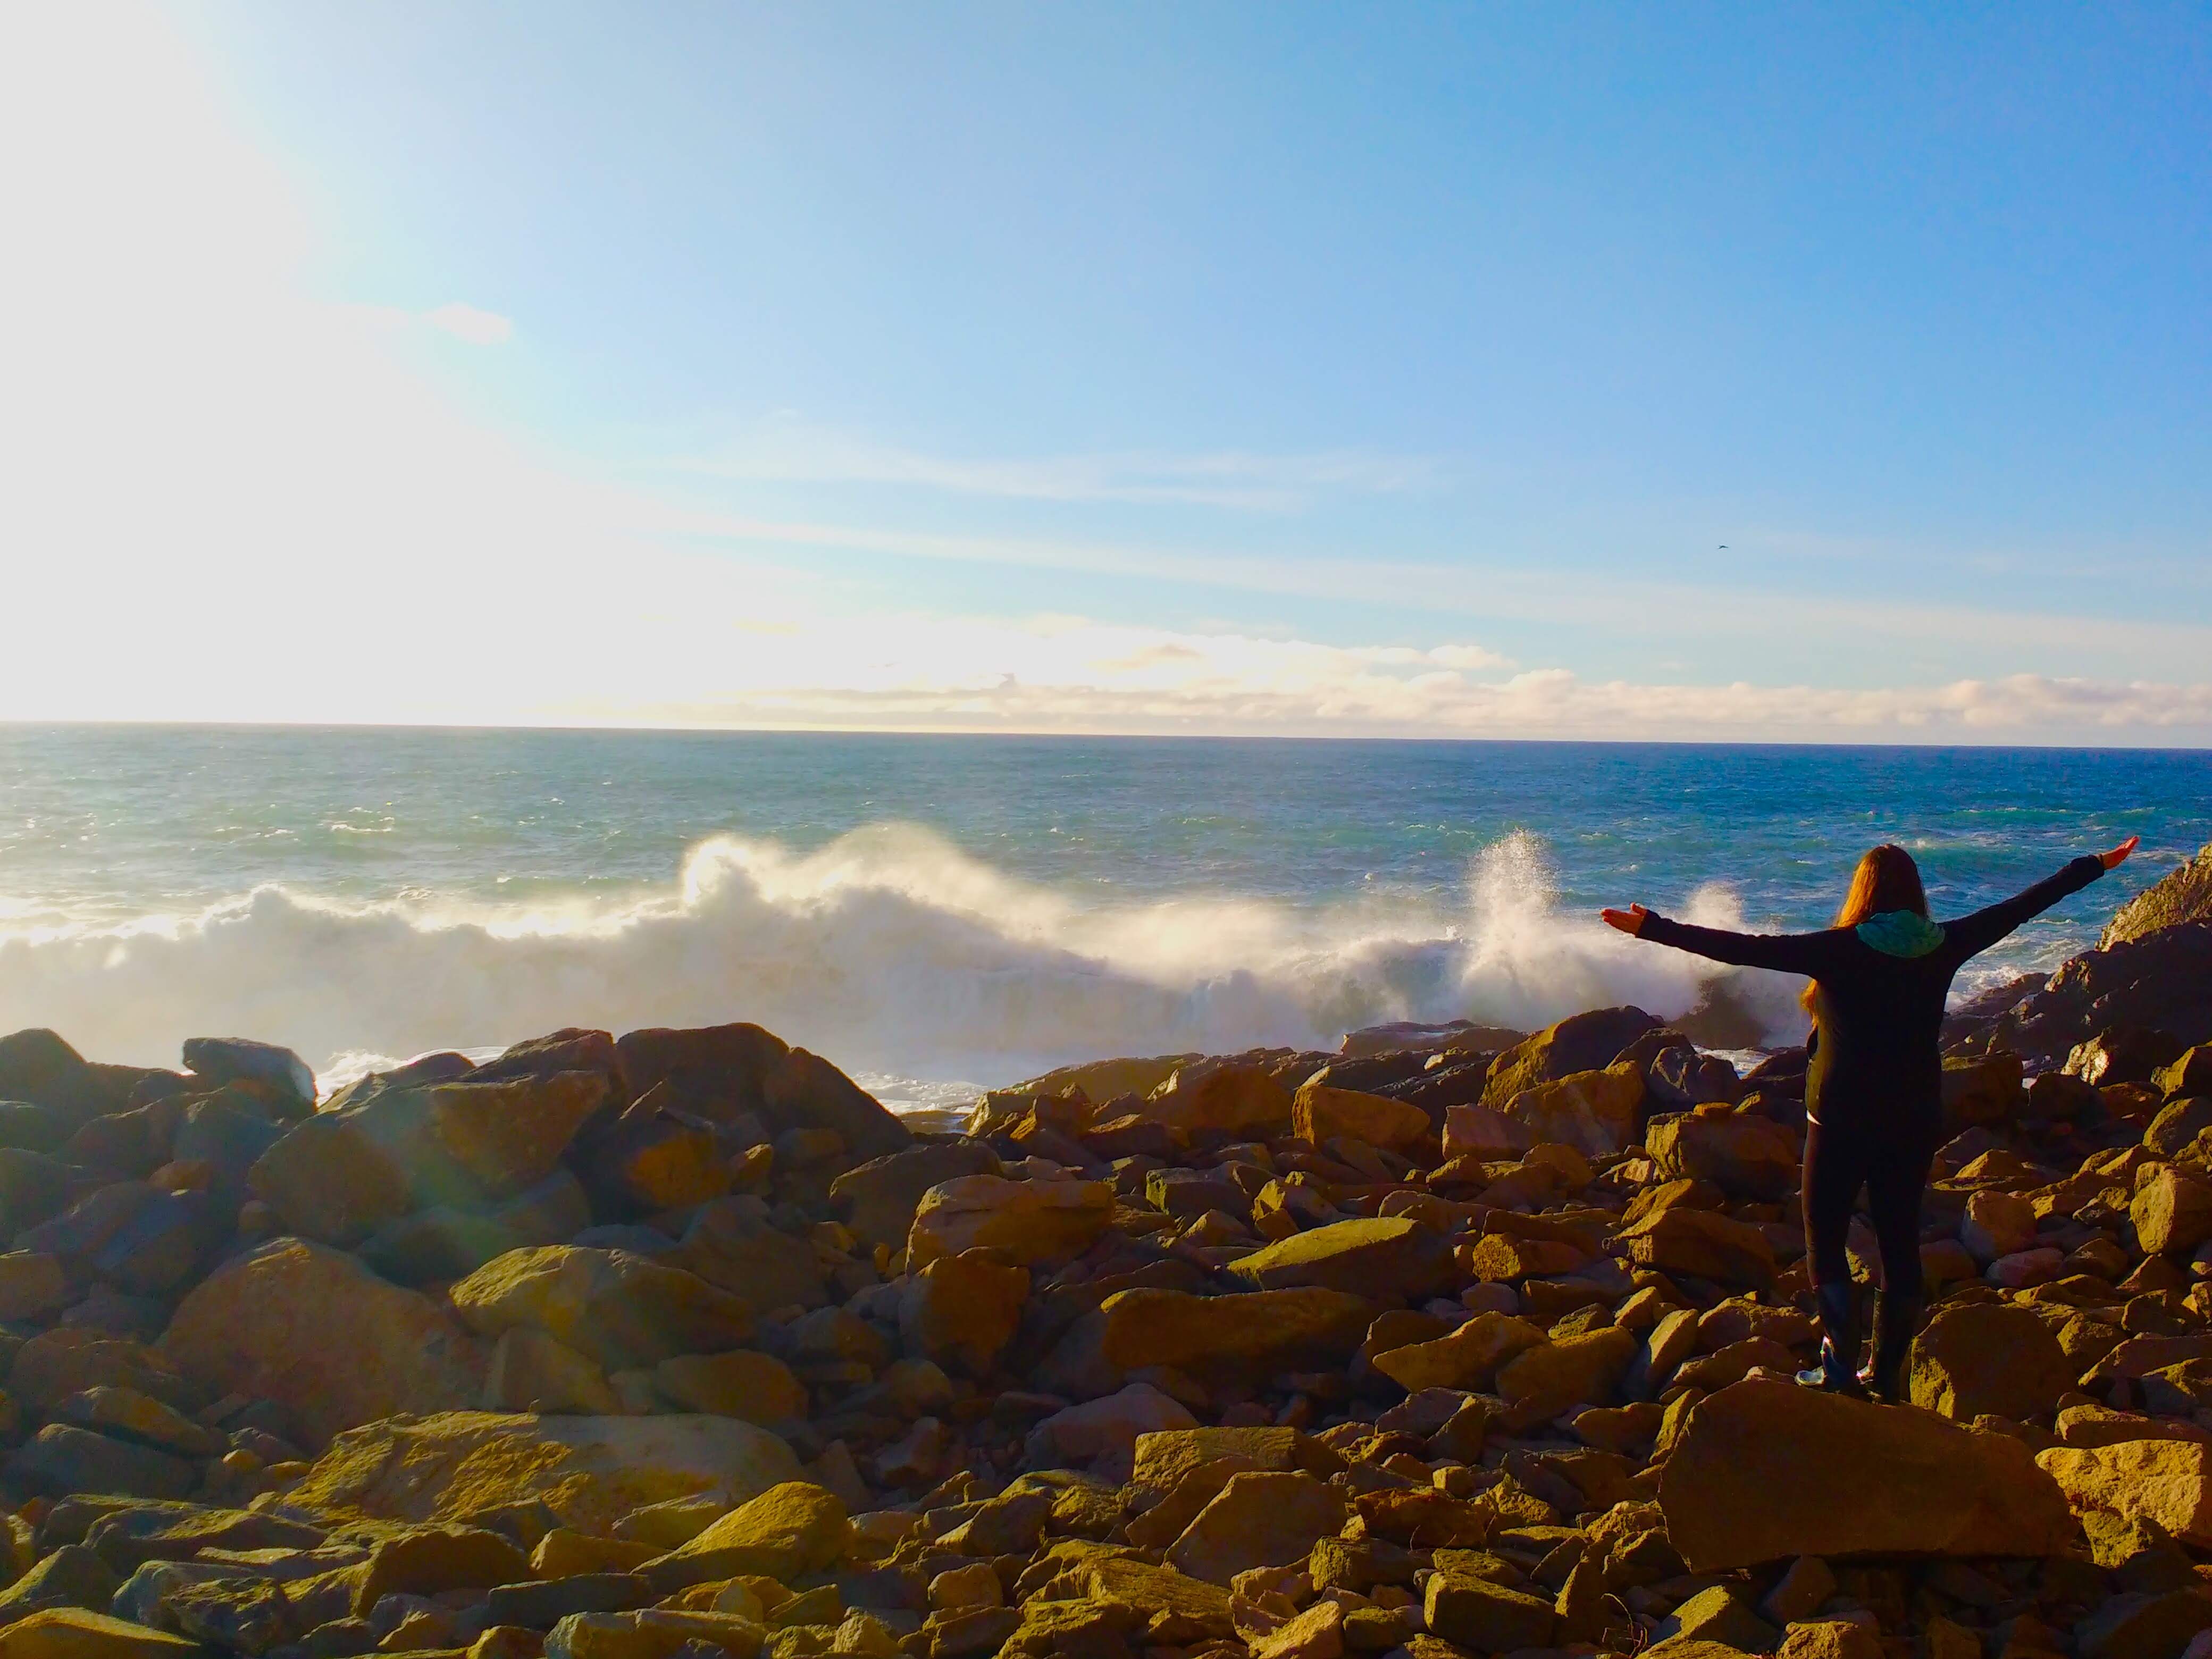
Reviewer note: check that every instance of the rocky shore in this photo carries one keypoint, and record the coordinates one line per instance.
(1455, 1342)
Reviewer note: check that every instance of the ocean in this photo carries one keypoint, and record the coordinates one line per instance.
(937, 914)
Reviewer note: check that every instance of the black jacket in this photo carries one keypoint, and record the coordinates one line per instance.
(1880, 1015)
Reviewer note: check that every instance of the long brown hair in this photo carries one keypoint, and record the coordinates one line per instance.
(1886, 879)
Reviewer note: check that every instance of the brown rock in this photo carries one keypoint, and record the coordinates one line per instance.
(1257, 1520)
(1029, 1221)
(788, 1530)
(1244, 1337)
(2165, 1481)
(1581, 1043)
(1594, 1112)
(621, 1311)
(962, 1310)
(1387, 1258)
(1989, 1356)
(878, 1199)
(589, 1471)
(1544, 1380)
(1703, 1243)
(1320, 1113)
(758, 1387)
(1472, 1613)
(1744, 1154)
(1469, 1358)
(2182, 895)
(530, 1371)
(1766, 1470)
(313, 1329)
(2171, 1211)
(1234, 1098)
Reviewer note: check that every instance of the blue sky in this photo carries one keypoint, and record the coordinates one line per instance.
(1569, 370)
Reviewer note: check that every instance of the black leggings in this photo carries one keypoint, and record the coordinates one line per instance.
(1892, 1163)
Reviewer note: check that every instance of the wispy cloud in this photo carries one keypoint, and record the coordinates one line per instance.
(792, 451)
(469, 323)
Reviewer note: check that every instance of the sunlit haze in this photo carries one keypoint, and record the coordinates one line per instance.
(1567, 371)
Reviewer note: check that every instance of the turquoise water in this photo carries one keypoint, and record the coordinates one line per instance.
(966, 909)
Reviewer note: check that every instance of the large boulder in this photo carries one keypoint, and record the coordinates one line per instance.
(1587, 1042)
(1765, 1471)
(1745, 1155)
(722, 1072)
(589, 1471)
(1989, 1358)
(1594, 1112)
(343, 1174)
(1258, 1519)
(2171, 1211)
(791, 1529)
(243, 1060)
(961, 1310)
(2165, 1481)
(1230, 1099)
(1029, 1220)
(1703, 1244)
(313, 1329)
(2155, 982)
(37, 1068)
(1230, 1339)
(1388, 1258)
(621, 1309)
(1320, 1112)
(2181, 895)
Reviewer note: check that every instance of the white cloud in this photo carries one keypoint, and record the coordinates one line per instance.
(465, 322)
(787, 450)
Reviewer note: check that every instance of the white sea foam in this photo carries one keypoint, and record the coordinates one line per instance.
(888, 950)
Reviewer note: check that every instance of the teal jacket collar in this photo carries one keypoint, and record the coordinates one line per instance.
(1900, 933)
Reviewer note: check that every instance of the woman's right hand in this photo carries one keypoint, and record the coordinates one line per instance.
(2118, 855)
(1629, 921)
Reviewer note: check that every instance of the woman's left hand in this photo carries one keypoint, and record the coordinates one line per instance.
(1630, 920)
(2118, 855)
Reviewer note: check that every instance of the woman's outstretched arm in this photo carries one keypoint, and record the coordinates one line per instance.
(1971, 935)
(1788, 953)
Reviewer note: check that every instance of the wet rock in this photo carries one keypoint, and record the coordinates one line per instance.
(311, 1328)
(1763, 1471)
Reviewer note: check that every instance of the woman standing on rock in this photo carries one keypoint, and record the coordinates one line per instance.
(1873, 1089)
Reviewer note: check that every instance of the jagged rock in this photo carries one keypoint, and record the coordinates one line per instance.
(1763, 1471)
(2181, 895)
(1223, 1338)
(621, 1309)
(589, 1471)
(242, 1059)
(1744, 1154)
(1583, 1042)
(1320, 1113)
(721, 1072)
(311, 1328)
(1387, 1258)
(2155, 982)
(1029, 1221)
(1989, 1359)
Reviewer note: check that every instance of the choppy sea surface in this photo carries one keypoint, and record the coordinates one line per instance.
(935, 913)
